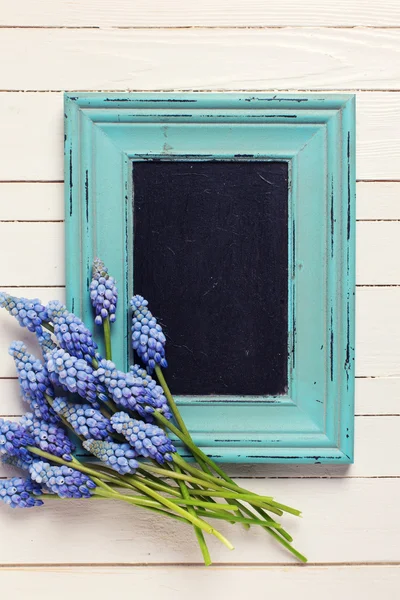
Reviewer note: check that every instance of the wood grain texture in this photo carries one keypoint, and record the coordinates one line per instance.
(31, 149)
(20, 201)
(378, 396)
(179, 582)
(377, 331)
(31, 202)
(191, 13)
(215, 59)
(377, 249)
(35, 254)
(378, 200)
(338, 530)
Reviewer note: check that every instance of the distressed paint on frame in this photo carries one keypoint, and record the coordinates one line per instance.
(315, 134)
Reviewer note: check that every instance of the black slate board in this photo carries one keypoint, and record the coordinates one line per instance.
(211, 257)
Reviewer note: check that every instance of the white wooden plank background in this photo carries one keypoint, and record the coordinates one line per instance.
(178, 582)
(288, 58)
(345, 520)
(351, 525)
(195, 13)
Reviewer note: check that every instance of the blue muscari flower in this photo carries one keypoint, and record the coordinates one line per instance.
(146, 439)
(15, 461)
(29, 313)
(48, 437)
(34, 382)
(103, 293)
(85, 420)
(147, 335)
(129, 391)
(46, 342)
(120, 457)
(63, 481)
(71, 333)
(14, 439)
(73, 374)
(150, 384)
(20, 493)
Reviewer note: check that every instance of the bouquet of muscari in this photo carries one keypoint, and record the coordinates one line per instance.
(77, 398)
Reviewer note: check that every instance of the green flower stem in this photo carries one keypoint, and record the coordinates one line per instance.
(107, 337)
(99, 496)
(175, 411)
(271, 522)
(234, 518)
(216, 490)
(242, 497)
(150, 477)
(210, 478)
(233, 501)
(194, 520)
(197, 453)
(267, 501)
(288, 546)
(199, 534)
(288, 509)
(171, 402)
(48, 326)
(174, 475)
(132, 500)
(196, 482)
(160, 487)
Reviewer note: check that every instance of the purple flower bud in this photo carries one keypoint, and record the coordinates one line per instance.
(71, 333)
(34, 382)
(146, 439)
(85, 420)
(103, 293)
(120, 457)
(48, 437)
(63, 481)
(20, 493)
(147, 335)
(29, 313)
(131, 392)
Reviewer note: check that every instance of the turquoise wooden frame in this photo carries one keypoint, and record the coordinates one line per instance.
(105, 133)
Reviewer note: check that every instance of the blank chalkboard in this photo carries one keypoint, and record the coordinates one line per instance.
(211, 257)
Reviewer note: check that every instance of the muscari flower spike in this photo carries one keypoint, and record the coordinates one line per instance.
(147, 335)
(34, 382)
(85, 420)
(63, 481)
(103, 293)
(15, 461)
(146, 439)
(30, 313)
(148, 382)
(46, 342)
(20, 493)
(71, 333)
(74, 375)
(120, 457)
(48, 437)
(14, 439)
(129, 391)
